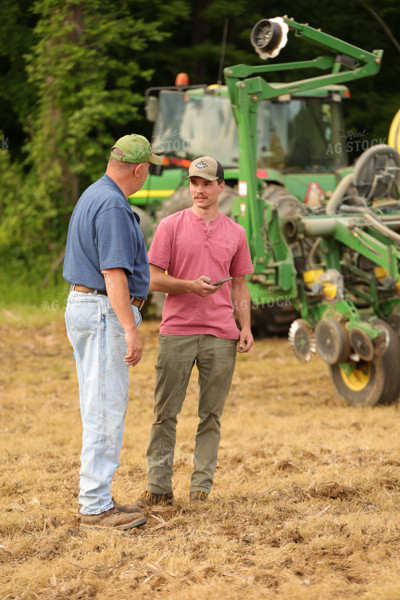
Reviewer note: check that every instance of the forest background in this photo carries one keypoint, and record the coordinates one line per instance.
(73, 75)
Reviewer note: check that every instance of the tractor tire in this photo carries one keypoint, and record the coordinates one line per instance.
(376, 172)
(145, 221)
(178, 201)
(371, 382)
(276, 319)
(287, 204)
(273, 320)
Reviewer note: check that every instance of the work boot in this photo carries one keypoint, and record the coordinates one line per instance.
(198, 497)
(113, 518)
(127, 508)
(147, 499)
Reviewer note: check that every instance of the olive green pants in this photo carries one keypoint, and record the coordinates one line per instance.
(215, 360)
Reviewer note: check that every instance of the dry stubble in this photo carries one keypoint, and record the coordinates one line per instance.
(304, 505)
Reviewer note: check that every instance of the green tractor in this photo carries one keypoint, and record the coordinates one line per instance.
(323, 237)
(300, 143)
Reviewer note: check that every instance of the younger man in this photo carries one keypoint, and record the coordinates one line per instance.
(198, 247)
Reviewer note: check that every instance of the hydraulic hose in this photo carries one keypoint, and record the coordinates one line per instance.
(337, 197)
(382, 228)
(374, 220)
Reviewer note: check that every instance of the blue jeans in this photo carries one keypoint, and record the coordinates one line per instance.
(98, 340)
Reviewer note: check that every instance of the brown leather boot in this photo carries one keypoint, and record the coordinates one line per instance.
(113, 518)
(198, 496)
(147, 499)
(127, 508)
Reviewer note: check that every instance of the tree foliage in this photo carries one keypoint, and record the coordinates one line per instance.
(82, 67)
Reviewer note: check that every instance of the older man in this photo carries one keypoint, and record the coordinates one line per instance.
(106, 264)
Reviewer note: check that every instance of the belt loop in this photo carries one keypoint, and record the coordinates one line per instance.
(72, 288)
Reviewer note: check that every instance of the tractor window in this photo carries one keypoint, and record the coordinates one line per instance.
(301, 135)
(189, 126)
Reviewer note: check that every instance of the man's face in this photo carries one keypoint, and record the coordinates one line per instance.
(205, 193)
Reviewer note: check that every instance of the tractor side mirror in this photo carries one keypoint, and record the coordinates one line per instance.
(156, 169)
(151, 108)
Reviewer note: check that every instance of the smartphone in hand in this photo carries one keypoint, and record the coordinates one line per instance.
(222, 281)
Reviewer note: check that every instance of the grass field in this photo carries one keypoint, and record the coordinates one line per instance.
(305, 503)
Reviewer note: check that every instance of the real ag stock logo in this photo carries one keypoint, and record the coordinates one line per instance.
(354, 141)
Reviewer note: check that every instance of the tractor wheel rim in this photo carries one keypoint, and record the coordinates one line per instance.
(358, 379)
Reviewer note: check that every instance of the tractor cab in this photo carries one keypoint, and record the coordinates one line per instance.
(300, 138)
(302, 133)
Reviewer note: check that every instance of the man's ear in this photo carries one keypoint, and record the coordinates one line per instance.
(137, 169)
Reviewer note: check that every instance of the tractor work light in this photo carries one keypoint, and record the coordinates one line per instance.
(269, 36)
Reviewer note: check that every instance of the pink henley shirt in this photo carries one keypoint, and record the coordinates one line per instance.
(185, 247)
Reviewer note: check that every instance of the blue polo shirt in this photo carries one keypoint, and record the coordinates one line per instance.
(104, 233)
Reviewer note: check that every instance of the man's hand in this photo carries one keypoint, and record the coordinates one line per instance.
(245, 341)
(135, 349)
(160, 281)
(202, 286)
(241, 305)
(118, 293)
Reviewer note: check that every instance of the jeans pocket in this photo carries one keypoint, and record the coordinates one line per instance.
(82, 316)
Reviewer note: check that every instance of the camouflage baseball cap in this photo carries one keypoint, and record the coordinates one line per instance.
(136, 149)
(206, 167)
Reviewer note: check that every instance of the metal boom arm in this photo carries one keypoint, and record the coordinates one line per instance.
(247, 86)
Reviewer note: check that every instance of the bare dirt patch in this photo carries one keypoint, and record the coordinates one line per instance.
(305, 502)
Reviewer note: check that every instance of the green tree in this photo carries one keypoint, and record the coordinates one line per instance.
(16, 96)
(83, 66)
